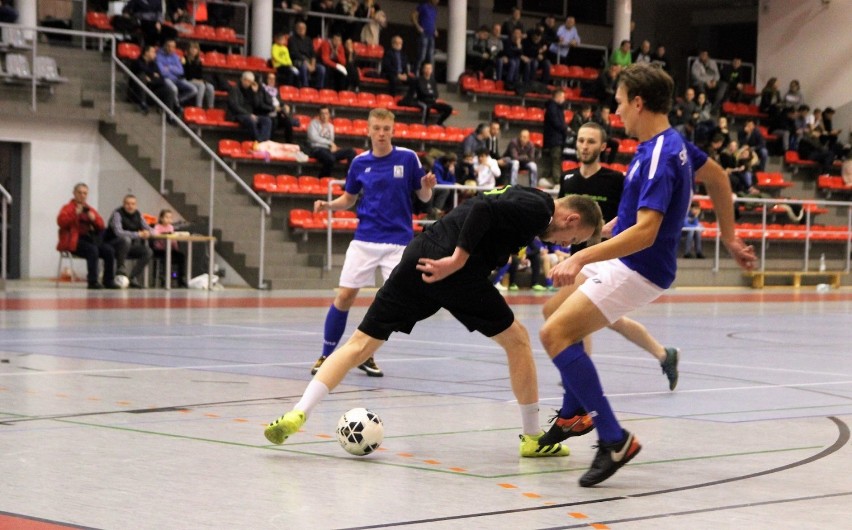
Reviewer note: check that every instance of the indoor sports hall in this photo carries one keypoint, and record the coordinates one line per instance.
(148, 412)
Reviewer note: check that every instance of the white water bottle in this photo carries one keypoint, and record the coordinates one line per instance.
(822, 262)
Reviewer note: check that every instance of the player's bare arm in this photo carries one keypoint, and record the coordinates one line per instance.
(344, 202)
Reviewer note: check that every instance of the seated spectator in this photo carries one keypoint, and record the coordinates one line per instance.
(513, 56)
(504, 161)
(475, 141)
(496, 43)
(683, 110)
(522, 153)
(444, 169)
(486, 169)
(281, 116)
(171, 68)
(321, 142)
(146, 69)
(723, 130)
(622, 55)
(659, 58)
(705, 77)
(693, 235)
(734, 76)
(605, 85)
(395, 67)
(424, 94)
(193, 71)
(127, 233)
(642, 54)
(353, 81)
(829, 135)
(304, 58)
(164, 226)
(584, 115)
(333, 57)
(609, 155)
(285, 71)
(752, 137)
(567, 38)
(794, 97)
(733, 160)
(549, 31)
(810, 148)
(251, 106)
(80, 231)
(535, 57)
(770, 98)
(478, 57)
(150, 15)
(800, 126)
(8, 13)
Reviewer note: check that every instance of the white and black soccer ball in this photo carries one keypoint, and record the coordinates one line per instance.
(122, 281)
(360, 431)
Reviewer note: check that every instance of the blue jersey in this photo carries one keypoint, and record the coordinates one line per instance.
(660, 178)
(427, 17)
(384, 209)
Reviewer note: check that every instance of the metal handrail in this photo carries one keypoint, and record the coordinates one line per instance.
(6, 201)
(322, 16)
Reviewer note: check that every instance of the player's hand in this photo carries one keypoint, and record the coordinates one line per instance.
(435, 270)
(743, 254)
(606, 231)
(565, 272)
(320, 206)
(428, 181)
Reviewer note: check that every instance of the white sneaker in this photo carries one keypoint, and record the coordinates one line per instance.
(500, 287)
(545, 184)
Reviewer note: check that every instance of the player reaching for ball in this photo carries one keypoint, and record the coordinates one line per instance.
(448, 266)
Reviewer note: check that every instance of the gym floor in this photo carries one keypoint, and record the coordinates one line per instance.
(145, 410)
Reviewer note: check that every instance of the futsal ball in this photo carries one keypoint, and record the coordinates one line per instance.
(360, 431)
(122, 281)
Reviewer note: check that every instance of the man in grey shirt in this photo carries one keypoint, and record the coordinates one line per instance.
(321, 143)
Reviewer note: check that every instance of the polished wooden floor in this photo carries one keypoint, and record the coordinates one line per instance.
(145, 410)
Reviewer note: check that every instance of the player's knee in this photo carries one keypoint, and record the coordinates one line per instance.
(553, 338)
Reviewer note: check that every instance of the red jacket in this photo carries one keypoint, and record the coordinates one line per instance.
(331, 59)
(72, 225)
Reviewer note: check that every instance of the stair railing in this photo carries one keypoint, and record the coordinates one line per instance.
(6, 200)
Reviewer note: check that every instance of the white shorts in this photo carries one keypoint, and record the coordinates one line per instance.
(616, 289)
(362, 259)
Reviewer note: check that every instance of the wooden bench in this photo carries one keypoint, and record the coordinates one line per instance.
(758, 278)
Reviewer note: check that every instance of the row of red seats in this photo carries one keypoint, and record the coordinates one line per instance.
(343, 220)
(771, 180)
(245, 150)
(536, 114)
(743, 110)
(833, 183)
(787, 232)
(580, 73)
(227, 61)
(292, 185)
(101, 21)
(706, 204)
(344, 98)
(476, 86)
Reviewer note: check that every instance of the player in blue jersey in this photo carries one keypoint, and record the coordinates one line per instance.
(448, 266)
(633, 267)
(384, 177)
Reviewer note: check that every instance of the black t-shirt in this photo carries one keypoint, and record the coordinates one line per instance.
(493, 225)
(604, 187)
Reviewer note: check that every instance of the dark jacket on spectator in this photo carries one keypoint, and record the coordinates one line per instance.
(554, 125)
(245, 101)
(301, 49)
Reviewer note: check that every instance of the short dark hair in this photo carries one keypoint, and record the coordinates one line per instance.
(480, 128)
(596, 126)
(649, 82)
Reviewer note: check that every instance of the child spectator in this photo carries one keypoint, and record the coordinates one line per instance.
(486, 169)
(693, 232)
(164, 226)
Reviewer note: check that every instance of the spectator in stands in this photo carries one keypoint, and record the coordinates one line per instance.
(128, 233)
(346, 28)
(304, 57)
(496, 44)
(705, 77)
(604, 89)
(149, 13)
(285, 70)
(535, 57)
(846, 172)
(810, 148)
(567, 38)
(176, 12)
(523, 155)
(714, 148)
(395, 66)
(659, 58)
(794, 97)
(693, 234)
(829, 135)
(734, 76)
(683, 110)
(281, 116)
(800, 125)
(444, 169)
(171, 68)
(582, 117)
(642, 54)
(513, 56)
(333, 57)
(424, 94)
(602, 118)
(321, 141)
(504, 161)
(723, 129)
(554, 135)
(785, 128)
(514, 22)
(475, 141)
(622, 56)
(770, 99)
(486, 169)
(164, 226)
(353, 79)
(372, 30)
(80, 229)
(251, 106)
(145, 68)
(478, 57)
(549, 33)
(737, 164)
(8, 13)
(193, 71)
(703, 112)
(425, 20)
(752, 137)
(315, 23)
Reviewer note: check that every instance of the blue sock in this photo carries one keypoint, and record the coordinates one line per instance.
(580, 376)
(335, 324)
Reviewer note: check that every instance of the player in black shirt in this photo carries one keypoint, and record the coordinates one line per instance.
(448, 266)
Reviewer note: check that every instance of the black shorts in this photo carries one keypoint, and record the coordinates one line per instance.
(406, 299)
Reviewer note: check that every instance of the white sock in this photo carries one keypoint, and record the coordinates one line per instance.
(529, 419)
(316, 392)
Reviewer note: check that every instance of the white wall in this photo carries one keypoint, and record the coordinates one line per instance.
(808, 40)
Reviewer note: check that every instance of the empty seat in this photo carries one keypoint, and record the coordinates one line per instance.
(262, 181)
(286, 184)
(309, 185)
(46, 70)
(128, 51)
(17, 66)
